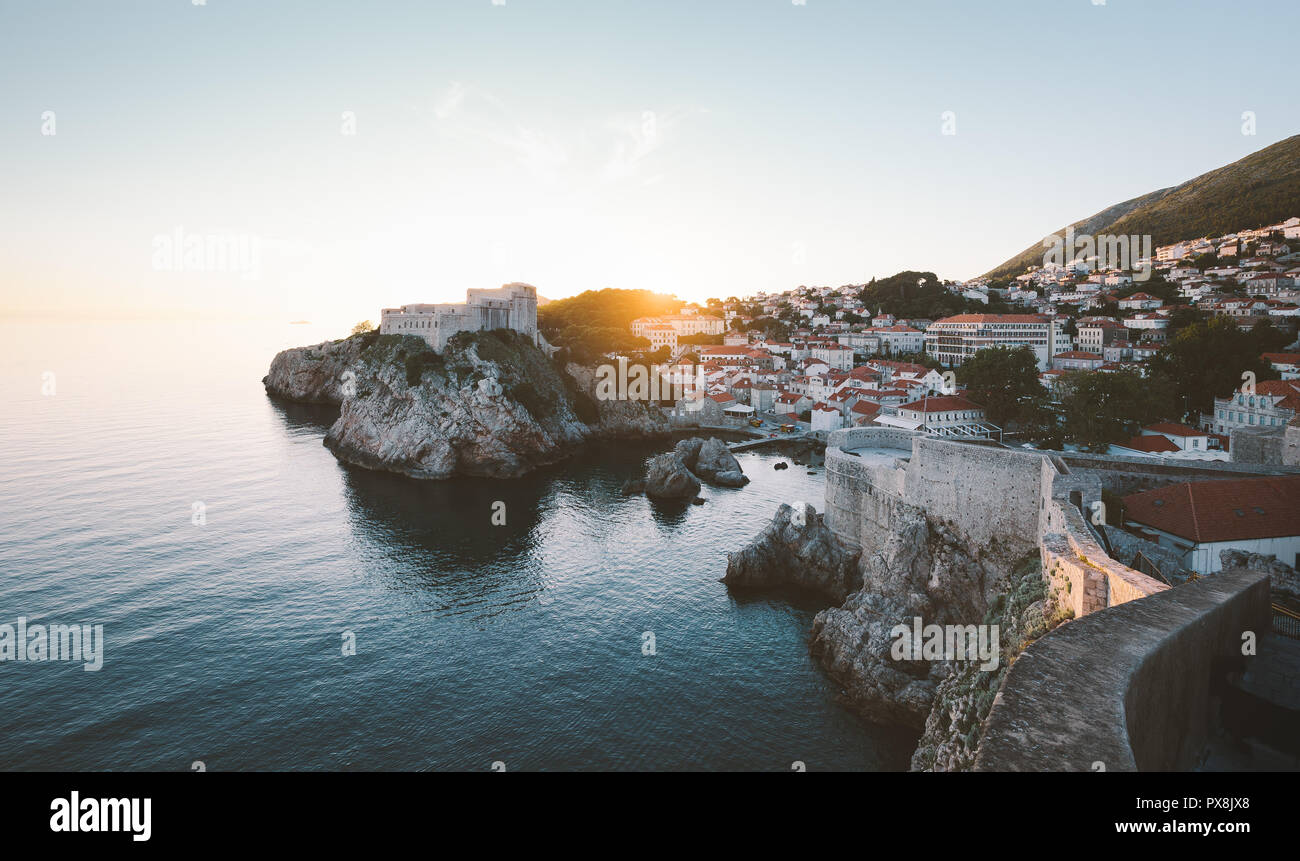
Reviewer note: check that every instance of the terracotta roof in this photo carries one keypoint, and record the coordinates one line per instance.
(1150, 443)
(994, 318)
(941, 404)
(865, 408)
(1173, 428)
(1077, 354)
(1237, 510)
(1287, 390)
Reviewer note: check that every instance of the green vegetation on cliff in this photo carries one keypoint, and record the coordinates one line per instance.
(524, 372)
(597, 322)
(1022, 613)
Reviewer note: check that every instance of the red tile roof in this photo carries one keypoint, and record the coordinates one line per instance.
(865, 408)
(1150, 443)
(1237, 510)
(941, 404)
(1174, 429)
(994, 318)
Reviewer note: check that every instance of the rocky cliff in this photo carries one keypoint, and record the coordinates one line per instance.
(797, 549)
(490, 404)
(919, 567)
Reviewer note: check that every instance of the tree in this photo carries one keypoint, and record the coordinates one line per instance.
(1103, 408)
(1206, 360)
(363, 327)
(1183, 316)
(1269, 338)
(1004, 380)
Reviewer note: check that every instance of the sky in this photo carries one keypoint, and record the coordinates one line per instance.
(362, 155)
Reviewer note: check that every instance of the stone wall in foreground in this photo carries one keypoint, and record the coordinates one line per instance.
(1125, 689)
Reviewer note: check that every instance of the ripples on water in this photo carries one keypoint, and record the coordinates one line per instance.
(519, 643)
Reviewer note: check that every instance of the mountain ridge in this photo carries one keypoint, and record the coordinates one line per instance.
(1258, 189)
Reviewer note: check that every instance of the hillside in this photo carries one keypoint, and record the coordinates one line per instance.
(598, 321)
(1262, 188)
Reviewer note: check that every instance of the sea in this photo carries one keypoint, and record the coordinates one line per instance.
(263, 606)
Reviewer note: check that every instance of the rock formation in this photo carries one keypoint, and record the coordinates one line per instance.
(717, 465)
(315, 374)
(491, 404)
(1283, 580)
(919, 566)
(668, 478)
(673, 474)
(796, 549)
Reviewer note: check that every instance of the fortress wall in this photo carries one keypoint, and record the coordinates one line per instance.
(1078, 585)
(990, 493)
(1125, 475)
(1252, 445)
(863, 492)
(1127, 687)
(1022, 501)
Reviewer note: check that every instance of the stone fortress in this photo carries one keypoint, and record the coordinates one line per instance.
(512, 306)
(1128, 682)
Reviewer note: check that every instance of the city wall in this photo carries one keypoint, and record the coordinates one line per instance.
(1011, 501)
(1127, 689)
(1123, 687)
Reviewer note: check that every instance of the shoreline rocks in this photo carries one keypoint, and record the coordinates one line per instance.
(491, 404)
(679, 473)
(667, 477)
(914, 566)
(796, 548)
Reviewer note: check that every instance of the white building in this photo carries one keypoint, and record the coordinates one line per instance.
(1140, 302)
(836, 356)
(1271, 405)
(661, 335)
(1183, 438)
(900, 339)
(1199, 519)
(683, 324)
(513, 306)
(953, 340)
(946, 415)
(826, 417)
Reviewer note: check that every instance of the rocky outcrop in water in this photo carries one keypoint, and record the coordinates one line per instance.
(491, 404)
(917, 567)
(717, 465)
(796, 549)
(668, 478)
(673, 475)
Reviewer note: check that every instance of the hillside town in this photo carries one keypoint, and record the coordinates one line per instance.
(823, 358)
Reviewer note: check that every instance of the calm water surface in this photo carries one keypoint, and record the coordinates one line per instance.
(519, 643)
